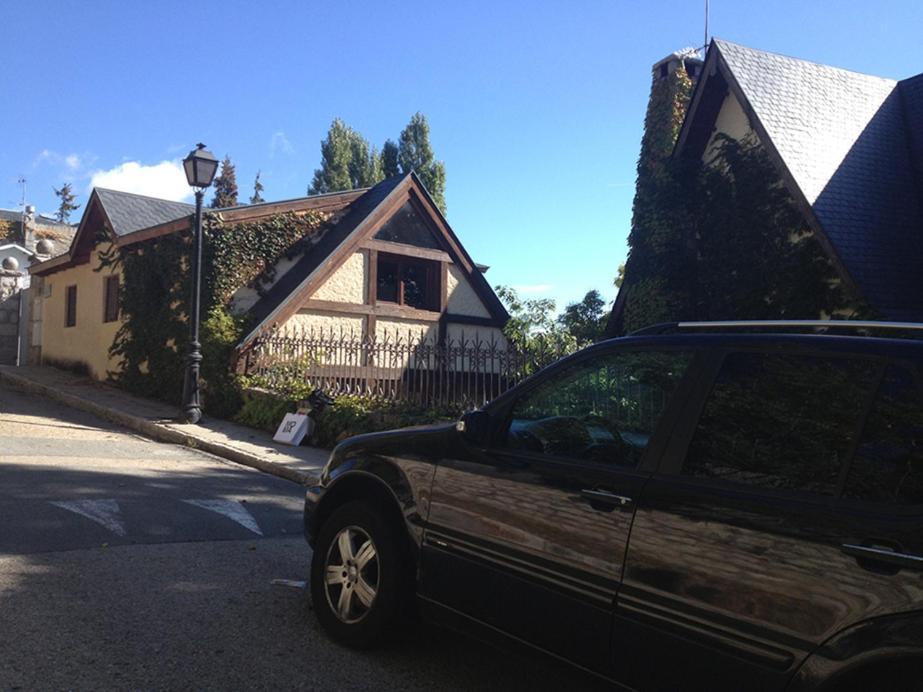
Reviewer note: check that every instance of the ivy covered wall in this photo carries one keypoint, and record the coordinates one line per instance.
(721, 238)
(153, 338)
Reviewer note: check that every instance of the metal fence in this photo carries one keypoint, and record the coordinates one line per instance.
(456, 372)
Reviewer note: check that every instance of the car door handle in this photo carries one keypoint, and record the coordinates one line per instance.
(604, 497)
(884, 555)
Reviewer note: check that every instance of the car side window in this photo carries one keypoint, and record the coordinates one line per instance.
(888, 464)
(601, 410)
(780, 421)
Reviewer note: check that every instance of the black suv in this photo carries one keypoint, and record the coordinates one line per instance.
(681, 509)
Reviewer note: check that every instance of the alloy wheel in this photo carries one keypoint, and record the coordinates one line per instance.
(351, 574)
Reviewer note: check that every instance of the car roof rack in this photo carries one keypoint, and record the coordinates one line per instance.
(870, 325)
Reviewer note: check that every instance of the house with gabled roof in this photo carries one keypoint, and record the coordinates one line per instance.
(848, 148)
(384, 264)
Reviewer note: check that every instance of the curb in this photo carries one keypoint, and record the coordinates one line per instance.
(163, 432)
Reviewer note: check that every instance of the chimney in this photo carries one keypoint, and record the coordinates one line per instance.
(28, 220)
(687, 59)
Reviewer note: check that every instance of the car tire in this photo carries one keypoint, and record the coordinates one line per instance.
(360, 575)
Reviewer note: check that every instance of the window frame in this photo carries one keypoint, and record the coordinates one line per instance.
(681, 438)
(70, 311)
(107, 282)
(501, 410)
(433, 286)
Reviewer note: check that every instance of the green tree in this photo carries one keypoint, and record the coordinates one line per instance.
(416, 154)
(66, 205)
(257, 195)
(585, 319)
(532, 325)
(225, 186)
(757, 257)
(390, 165)
(347, 161)
(620, 276)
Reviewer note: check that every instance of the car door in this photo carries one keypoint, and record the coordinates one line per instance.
(528, 533)
(735, 571)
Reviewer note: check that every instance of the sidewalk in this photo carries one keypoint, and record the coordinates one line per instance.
(155, 419)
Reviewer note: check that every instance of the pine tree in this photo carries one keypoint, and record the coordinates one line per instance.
(347, 161)
(257, 195)
(67, 197)
(389, 160)
(416, 154)
(225, 186)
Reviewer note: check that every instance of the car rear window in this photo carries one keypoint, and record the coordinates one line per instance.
(781, 421)
(888, 464)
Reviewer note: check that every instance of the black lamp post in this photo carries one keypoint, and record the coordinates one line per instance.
(201, 166)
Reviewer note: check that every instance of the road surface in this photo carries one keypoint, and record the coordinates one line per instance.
(130, 564)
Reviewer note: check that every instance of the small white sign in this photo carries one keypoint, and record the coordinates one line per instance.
(293, 429)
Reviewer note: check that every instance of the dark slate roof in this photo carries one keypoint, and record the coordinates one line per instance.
(321, 252)
(129, 212)
(845, 140)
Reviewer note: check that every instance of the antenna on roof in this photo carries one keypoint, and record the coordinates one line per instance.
(705, 45)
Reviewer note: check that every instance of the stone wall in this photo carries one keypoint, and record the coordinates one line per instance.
(11, 282)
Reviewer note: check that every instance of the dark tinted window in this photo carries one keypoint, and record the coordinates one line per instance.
(602, 410)
(111, 306)
(408, 281)
(780, 421)
(388, 286)
(70, 306)
(408, 228)
(888, 466)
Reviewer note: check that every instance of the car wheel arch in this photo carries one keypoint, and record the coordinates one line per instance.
(860, 650)
(365, 486)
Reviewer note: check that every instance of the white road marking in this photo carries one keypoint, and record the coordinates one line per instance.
(104, 512)
(232, 509)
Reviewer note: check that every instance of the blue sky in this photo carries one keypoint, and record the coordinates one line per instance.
(535, 107)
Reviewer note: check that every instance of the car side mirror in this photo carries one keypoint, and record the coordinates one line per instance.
(474, 425)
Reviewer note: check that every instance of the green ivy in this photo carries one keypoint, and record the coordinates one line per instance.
(153, 338)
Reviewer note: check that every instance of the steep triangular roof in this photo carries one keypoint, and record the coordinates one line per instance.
(128, 212)
(842, 143)
(364, 218)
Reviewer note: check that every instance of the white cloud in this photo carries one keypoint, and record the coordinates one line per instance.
(72, 161)
(165, 179)
(532, 289)
(280, 143)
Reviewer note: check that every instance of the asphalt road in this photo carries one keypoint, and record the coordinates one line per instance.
(129, 564)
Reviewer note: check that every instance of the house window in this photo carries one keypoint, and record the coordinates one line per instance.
(70, 306)
(111, 299)
(408, 281)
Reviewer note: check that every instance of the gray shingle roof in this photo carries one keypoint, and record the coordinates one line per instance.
(845, 139)
(129, 212)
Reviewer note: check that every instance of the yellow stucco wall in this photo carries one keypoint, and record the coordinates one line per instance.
(470, 334)
(405, 330)
(731, 121)
(89, 340)
(347, 284)
(462, 300)
(325, 325)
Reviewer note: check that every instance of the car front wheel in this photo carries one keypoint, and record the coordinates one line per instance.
(359, 575)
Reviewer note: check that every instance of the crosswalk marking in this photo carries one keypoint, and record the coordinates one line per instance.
(104, 512)
(232, 509)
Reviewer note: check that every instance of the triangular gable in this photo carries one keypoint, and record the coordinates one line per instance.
(839, 141)
(83, 242)
(408, 228)
(402, 198)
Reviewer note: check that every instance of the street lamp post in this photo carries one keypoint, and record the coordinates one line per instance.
(200, 167)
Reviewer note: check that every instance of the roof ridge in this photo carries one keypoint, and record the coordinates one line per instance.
(136, 194)
(720, 41)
